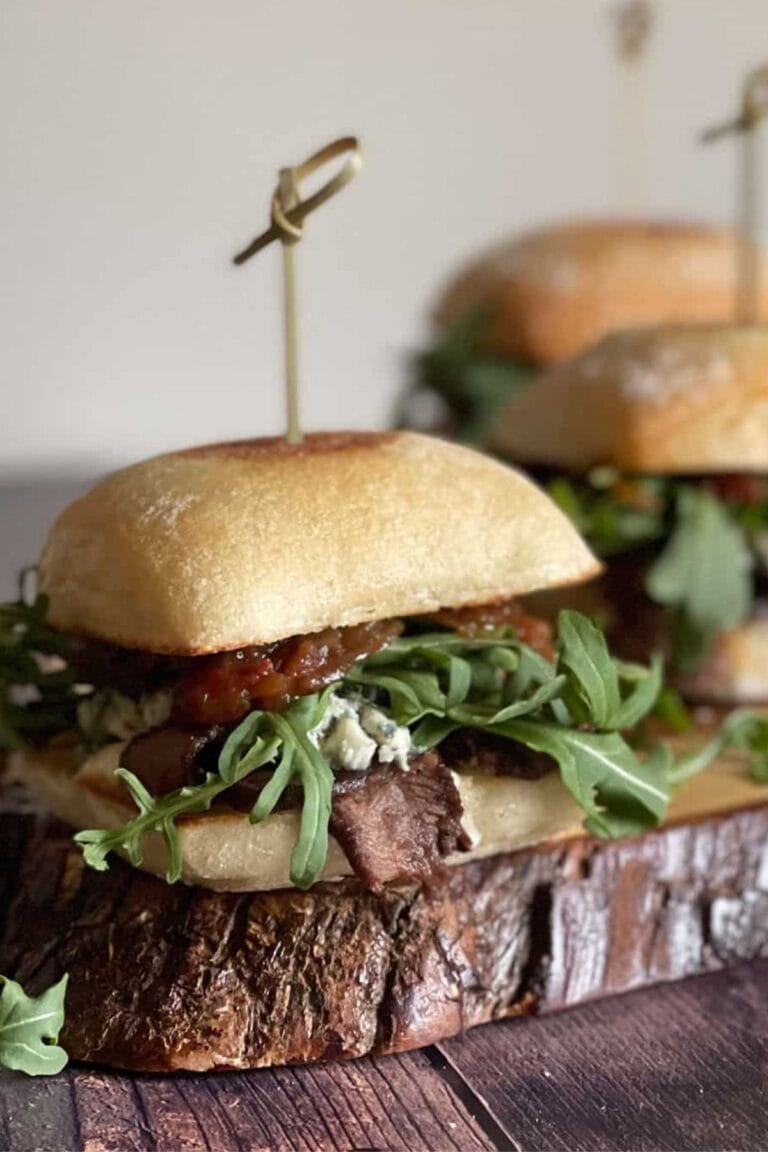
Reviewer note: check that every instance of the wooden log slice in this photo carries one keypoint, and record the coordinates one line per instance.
(170, 977)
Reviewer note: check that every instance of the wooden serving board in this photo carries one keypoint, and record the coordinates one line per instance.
(678, 1066)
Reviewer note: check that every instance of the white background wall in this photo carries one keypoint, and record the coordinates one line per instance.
(139, 145)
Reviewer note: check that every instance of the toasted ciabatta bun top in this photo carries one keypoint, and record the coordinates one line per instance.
(669, 400)
(236, 544)
(552, 293)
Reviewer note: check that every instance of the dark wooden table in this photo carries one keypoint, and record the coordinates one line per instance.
(680, 1067)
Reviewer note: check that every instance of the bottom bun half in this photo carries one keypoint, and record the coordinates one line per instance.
(222, 850)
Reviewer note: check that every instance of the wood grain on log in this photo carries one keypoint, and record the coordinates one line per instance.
(166, 978)
(15, 832)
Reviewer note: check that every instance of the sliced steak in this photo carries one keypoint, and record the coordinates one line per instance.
(399, 826)
(468, 750)
(169, 758)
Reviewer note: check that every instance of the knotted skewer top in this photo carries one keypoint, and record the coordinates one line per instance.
(288, 214)
(754, 106)
(289, 211)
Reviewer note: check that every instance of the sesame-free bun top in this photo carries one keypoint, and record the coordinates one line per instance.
(669, 400)
(234, 544)
(552, 293)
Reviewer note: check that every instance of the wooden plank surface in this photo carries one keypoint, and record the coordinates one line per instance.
(400, 1102)
(681, 1067)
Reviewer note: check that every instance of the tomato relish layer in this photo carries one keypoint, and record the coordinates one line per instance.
(224, 687)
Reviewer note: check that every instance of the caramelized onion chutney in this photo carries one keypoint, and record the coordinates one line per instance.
(223, 687)
(480, 618)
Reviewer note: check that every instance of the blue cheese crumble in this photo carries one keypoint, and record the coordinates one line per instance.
(108, 715)
(353, 732)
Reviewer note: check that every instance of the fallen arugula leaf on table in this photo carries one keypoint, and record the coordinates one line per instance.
(29, 1029)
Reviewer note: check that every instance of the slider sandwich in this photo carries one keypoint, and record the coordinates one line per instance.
(288, 701)
(546, 296)
(655, 442)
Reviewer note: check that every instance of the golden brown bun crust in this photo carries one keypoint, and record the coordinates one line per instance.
(236, 544)
(554, 292)
(669, 400)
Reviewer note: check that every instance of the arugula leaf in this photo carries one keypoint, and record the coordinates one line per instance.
(617, 791)
(452, 676)
(608, 694)
(672, 710)
(316, 779)
(32, 660)
(704, 573)
(593, 678)
(620, 794)
(29, 1028)
(743, 728)
(640, 687)
(473, 383)
(155, 814)
(608, 521)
